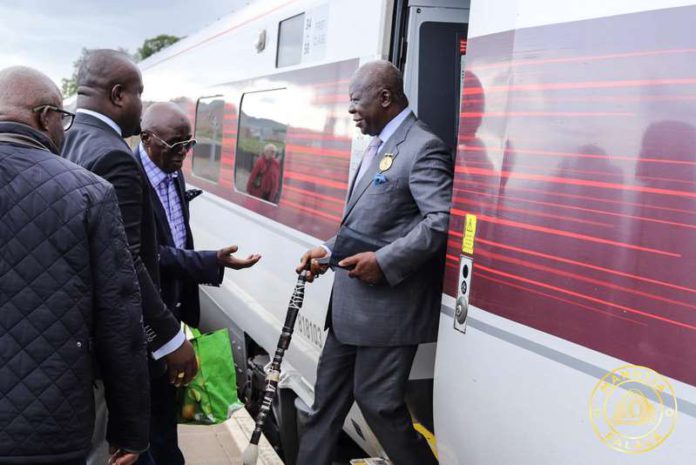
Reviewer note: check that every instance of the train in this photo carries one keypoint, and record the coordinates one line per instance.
(567, 333)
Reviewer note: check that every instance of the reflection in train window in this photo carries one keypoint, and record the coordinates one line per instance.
(258, 166)
(290, 34)
(210, 114)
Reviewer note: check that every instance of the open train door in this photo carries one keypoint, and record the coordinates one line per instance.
(432, 61)
(429, 39)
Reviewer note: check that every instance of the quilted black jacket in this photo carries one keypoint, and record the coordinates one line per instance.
(68, 297)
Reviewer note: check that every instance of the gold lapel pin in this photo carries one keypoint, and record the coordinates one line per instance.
(386, 162)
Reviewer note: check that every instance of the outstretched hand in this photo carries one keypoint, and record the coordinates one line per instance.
(226, 259)
(363, 266)
(316, 269)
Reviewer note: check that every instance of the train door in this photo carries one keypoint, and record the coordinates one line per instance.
(432, 69)
(428, 44)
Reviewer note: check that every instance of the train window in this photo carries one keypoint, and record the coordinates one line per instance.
(210, 113)
(260, 155)
(290, 35)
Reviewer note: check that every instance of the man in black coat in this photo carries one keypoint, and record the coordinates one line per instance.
(166, 139)
(68, 292)
(108, 110)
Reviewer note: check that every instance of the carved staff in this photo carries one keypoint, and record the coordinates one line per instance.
(251, 453)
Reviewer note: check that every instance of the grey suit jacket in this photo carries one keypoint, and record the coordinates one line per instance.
(410, 212)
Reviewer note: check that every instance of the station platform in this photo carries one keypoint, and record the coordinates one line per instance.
(223, 444)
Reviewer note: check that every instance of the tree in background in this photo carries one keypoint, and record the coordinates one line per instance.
(150, 47)
(69, 85)
(154, 45)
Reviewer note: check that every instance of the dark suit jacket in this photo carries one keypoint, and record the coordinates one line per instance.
(94, 145)
(182, 270)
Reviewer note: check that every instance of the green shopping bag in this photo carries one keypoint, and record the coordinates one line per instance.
(212, 394)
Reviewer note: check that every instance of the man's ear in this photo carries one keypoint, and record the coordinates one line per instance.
(116, 95)
(145, 139)
(42, 118)
(385, 98)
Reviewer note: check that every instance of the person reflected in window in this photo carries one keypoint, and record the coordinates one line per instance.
(264, 180)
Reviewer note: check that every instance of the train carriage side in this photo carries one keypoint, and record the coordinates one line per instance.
(276, 73)
(572, 236)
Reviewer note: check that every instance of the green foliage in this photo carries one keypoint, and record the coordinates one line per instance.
(254, 145)
(154, 45)
(150, 47)
(68, 86)
(251, 145)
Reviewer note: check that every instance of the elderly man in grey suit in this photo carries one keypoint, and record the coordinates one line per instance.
(386, 297)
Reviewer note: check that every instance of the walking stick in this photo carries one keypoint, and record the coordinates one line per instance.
(251, 453)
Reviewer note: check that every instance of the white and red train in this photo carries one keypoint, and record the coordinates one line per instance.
(574, 124)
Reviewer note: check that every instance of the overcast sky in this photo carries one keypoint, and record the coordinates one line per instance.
(49, 34)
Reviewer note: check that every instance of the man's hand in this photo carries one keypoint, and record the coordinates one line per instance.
(364, 267)
(120, 457)
(316, 268)
(182, 364)
(226, 259)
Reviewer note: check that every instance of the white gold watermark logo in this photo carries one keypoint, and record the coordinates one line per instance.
(633, 409)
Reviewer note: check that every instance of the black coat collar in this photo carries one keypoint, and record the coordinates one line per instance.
(27, 131)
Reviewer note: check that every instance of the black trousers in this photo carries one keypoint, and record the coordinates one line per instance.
(164, 443)
(376, 378)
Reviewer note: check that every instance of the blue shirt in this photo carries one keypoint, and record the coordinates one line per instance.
(165, 186)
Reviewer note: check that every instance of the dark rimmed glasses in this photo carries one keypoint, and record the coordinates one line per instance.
(184, 145)
(66, 117)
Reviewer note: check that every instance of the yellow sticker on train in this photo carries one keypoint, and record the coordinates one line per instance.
(469, 235)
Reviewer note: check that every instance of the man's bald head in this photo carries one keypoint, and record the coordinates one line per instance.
(110, 83)
(163, 116)
(376, 96)
(21, 90)
(381, 74)
(103, 69)
(165, 125)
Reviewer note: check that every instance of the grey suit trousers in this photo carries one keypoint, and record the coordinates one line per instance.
(376, 378)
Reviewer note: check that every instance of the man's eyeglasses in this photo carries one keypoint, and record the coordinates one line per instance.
(66, 117)
(184, 145)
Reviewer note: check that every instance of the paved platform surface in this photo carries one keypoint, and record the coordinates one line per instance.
(223, 444)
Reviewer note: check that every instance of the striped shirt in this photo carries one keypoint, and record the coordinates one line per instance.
(165, 186)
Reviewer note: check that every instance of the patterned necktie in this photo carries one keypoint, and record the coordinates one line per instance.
(369, 155)
(175, 215)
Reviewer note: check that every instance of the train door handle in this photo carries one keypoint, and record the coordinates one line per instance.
(461, 310)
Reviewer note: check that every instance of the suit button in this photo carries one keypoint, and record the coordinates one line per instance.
(178, 304)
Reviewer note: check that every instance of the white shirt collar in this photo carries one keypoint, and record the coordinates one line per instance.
(393, 125)
(112, 124)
